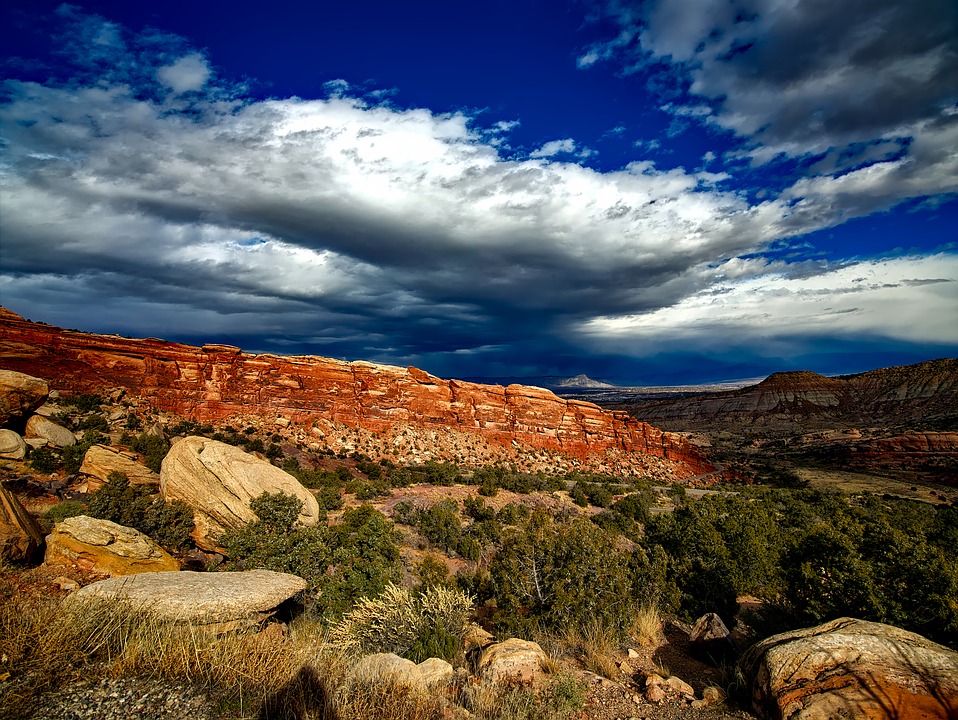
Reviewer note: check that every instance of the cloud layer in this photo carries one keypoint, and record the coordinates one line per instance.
(157, 198)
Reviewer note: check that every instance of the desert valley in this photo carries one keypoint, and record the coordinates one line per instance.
(232, 535)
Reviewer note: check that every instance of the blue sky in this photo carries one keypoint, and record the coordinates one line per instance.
(644, 192)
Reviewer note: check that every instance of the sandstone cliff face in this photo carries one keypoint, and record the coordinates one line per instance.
(215, 382)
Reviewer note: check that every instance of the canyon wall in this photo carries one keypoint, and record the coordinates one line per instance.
(216, 382)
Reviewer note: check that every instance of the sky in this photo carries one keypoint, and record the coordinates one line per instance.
(645, 192)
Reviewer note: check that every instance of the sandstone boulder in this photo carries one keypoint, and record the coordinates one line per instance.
(218, 481)
(105, 548)
(39, 427)
(12, 446)
(851, 668)
(219, 599)
(20, 394)
(387, 667)
(20, 536)
(514, 660)
(100, 461)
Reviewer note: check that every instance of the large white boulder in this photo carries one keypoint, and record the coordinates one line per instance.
(39, 427)
(851, 668)
(12, 446)
(218, 481)
(215, 598)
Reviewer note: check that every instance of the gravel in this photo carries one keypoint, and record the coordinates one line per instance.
(126, 699)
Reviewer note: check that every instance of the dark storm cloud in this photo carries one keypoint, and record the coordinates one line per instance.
(166, 200)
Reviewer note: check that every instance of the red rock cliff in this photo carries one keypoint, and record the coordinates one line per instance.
(215, 382)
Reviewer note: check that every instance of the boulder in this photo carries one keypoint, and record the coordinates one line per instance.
(387, 667)
(851, 668)
(100, 461)
(20, 536)
(710, 641)
(105, 548)
(12, 446)
(39, 427)
(20, 394)
(514, 660)
(218, 481)
(221, 599)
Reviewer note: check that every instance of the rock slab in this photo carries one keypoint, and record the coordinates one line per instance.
(106, 548)
(20, 394)
(851, 668)
(199, 598)
(100, 461)
(20, 536)
(218, 480)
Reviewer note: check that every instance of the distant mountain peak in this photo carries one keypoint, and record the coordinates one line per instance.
(583, 381)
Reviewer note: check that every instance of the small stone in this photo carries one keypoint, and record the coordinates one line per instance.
(655, 694)
(65, 583)
(680, 686)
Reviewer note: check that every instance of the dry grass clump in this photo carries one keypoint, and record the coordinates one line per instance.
(46, 643)
(562, 697)
(646, 627)
(428, 624)
(593, 643)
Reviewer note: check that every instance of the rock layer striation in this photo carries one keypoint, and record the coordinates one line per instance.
(215, 382)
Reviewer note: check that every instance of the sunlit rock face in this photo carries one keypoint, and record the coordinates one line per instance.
(215, 382)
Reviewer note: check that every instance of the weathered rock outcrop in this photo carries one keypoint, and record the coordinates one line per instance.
(214, 382)
(218, 481)
(20, 394)
(200, 598)
(851, 668)
(20, 536)
(100, 461)
(105, 548)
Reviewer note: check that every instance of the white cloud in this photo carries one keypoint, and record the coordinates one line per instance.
(554, 147)
(910, 299)
(189, 73)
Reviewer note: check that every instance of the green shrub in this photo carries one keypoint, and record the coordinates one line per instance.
(153, 449)
(356, 558)
(66, 509)
(44, 460)
(578, 496)
(559, 575)
(135, 506)
(94, 422)
(83, 403)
